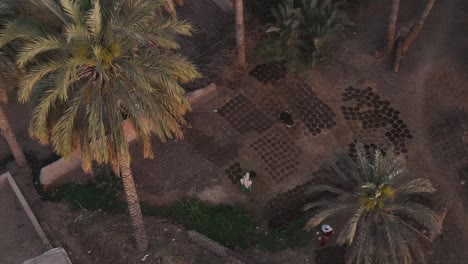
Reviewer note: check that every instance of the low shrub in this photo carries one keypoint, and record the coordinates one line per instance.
(88, 196)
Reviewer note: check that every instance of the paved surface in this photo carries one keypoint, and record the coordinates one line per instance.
(53, 256)
(18, 240)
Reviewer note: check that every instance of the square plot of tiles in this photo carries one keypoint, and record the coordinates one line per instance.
(309, 109)
(273, 105)
(244, 116)
(270, 72)
(373, 113)
(287, 206)
(279, 154)
(234, 172)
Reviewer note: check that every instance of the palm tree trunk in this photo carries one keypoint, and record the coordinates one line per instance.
(417, 26)
(134, 210)
(240, 36)
(10, 138)
(391, 31)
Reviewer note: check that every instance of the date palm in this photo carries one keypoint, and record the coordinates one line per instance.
(8, 79)
(385, 221)
(102, 67)
(240, 35)
(391, 27)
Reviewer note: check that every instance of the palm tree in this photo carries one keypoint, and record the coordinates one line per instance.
(305, 28)
(385, 218)
(240, 35)
(403, 43)
(391, 28)
(417, 26)
(8, 79)
(102, 67)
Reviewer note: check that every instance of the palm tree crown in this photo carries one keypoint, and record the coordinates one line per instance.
(7, 64)
(385, 219)
(110, 61)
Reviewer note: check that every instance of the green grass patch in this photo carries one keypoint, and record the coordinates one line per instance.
(87, 196)
(230, 225)
(291, 235)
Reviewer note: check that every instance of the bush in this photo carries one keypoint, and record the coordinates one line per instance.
(291, 235)
(226, 224)
(301, 32)
(87, 196)
(262, 9)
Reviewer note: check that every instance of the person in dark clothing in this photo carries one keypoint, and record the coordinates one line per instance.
(327, 232)
(286, 118)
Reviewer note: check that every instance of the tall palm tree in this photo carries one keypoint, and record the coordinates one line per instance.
(418, 25)
(102, 67)
(8, 79)
(385, 219)
(240, 34)
(391, 27)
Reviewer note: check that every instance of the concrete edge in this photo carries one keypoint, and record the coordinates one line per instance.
(26, 208)
(55, 255)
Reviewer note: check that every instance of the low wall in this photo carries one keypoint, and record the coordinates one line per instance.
(53, 174)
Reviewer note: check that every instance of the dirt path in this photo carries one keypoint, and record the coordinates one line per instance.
(448, 246)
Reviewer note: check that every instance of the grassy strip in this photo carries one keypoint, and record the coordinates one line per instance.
(230, 225)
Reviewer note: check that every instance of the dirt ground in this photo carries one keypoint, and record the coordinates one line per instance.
(429, 93)
(94, 237)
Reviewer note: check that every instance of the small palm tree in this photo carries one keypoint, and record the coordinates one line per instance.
(8, 80)
(385, 219)
(303, 28)
(102, 67)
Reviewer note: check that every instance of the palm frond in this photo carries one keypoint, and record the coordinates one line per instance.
(132, 12)
(31, 50)
(416, 186)
(321, 188)
(24, 30)
(324, 213)
(175, 65)
(316, 204)
(395, 239)
(53, 8)
(419, 213)
(346, 166)
(73, 11)
(364, 163)
(348, 233)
